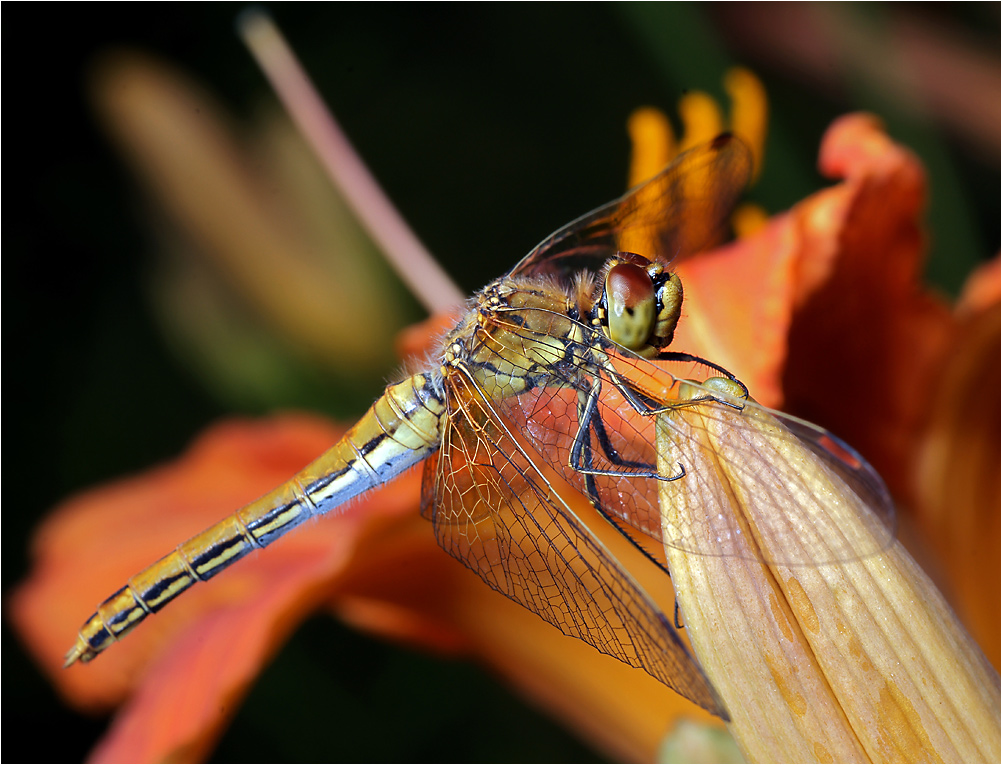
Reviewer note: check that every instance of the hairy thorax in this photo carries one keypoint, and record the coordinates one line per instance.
(519, 334)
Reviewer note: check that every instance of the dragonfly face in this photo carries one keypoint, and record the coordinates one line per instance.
(539, 382)
(639, 303)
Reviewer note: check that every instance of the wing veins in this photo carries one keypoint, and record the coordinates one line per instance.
(604, 606)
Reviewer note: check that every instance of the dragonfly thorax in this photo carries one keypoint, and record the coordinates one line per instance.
(520, 333)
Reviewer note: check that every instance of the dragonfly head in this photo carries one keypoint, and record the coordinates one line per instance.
(638, 303)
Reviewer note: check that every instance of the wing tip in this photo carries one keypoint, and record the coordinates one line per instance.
(722, 140)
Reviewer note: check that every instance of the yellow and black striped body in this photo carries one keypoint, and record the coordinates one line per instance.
(400, 429)
(521, 335)
(523, 386)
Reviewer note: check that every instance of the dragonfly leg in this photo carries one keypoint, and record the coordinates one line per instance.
(590, 421)
(682, 356)
(727, 384)
(581, 461)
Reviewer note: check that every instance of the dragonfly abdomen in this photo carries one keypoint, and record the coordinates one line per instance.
(399, 430)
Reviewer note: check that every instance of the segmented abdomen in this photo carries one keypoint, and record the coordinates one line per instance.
(399, 430)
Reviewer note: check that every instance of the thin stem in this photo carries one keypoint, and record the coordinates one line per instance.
(389, 230)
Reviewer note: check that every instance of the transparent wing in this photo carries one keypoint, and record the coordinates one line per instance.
(795, 495)
(494, 511)
(680, 211)
(816, 500)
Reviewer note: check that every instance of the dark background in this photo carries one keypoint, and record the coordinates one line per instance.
(489, 126)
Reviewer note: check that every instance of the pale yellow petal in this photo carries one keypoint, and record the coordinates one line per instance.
(741, 628)
(854, 660)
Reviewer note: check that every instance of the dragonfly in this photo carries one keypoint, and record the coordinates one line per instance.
(538, 384)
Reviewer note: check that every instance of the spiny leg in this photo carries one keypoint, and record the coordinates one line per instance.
(589, 420)
(682, 356)
(588, 417)
(727, 384)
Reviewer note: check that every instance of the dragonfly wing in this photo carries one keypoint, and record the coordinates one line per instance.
(494, 511)
(619, 446)
(679, 212)
(792, 494)
(847, 476)
(810, 488)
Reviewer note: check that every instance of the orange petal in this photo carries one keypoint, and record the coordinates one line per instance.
(825, 302)
(415, 342)
(191, 690)
(91, 545)
(846, 661)
(738, 307)
(983, 288)
(957, 476)
(620, 710)
(866, 335)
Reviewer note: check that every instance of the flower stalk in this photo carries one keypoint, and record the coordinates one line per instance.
(397, 241)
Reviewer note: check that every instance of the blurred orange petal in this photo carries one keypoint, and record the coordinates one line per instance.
(222, 631)
(621, 711)
(865, 327)
(826, 301)
(957, 477)
(260, 226)
(415, 342)
(983, 288)
(738, 308)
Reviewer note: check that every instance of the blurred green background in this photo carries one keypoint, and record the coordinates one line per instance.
(489, 126)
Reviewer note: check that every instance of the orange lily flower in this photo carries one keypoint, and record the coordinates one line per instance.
(772, 308)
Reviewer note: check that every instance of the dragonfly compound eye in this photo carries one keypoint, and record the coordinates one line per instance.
(669, 308)
(631, 304)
